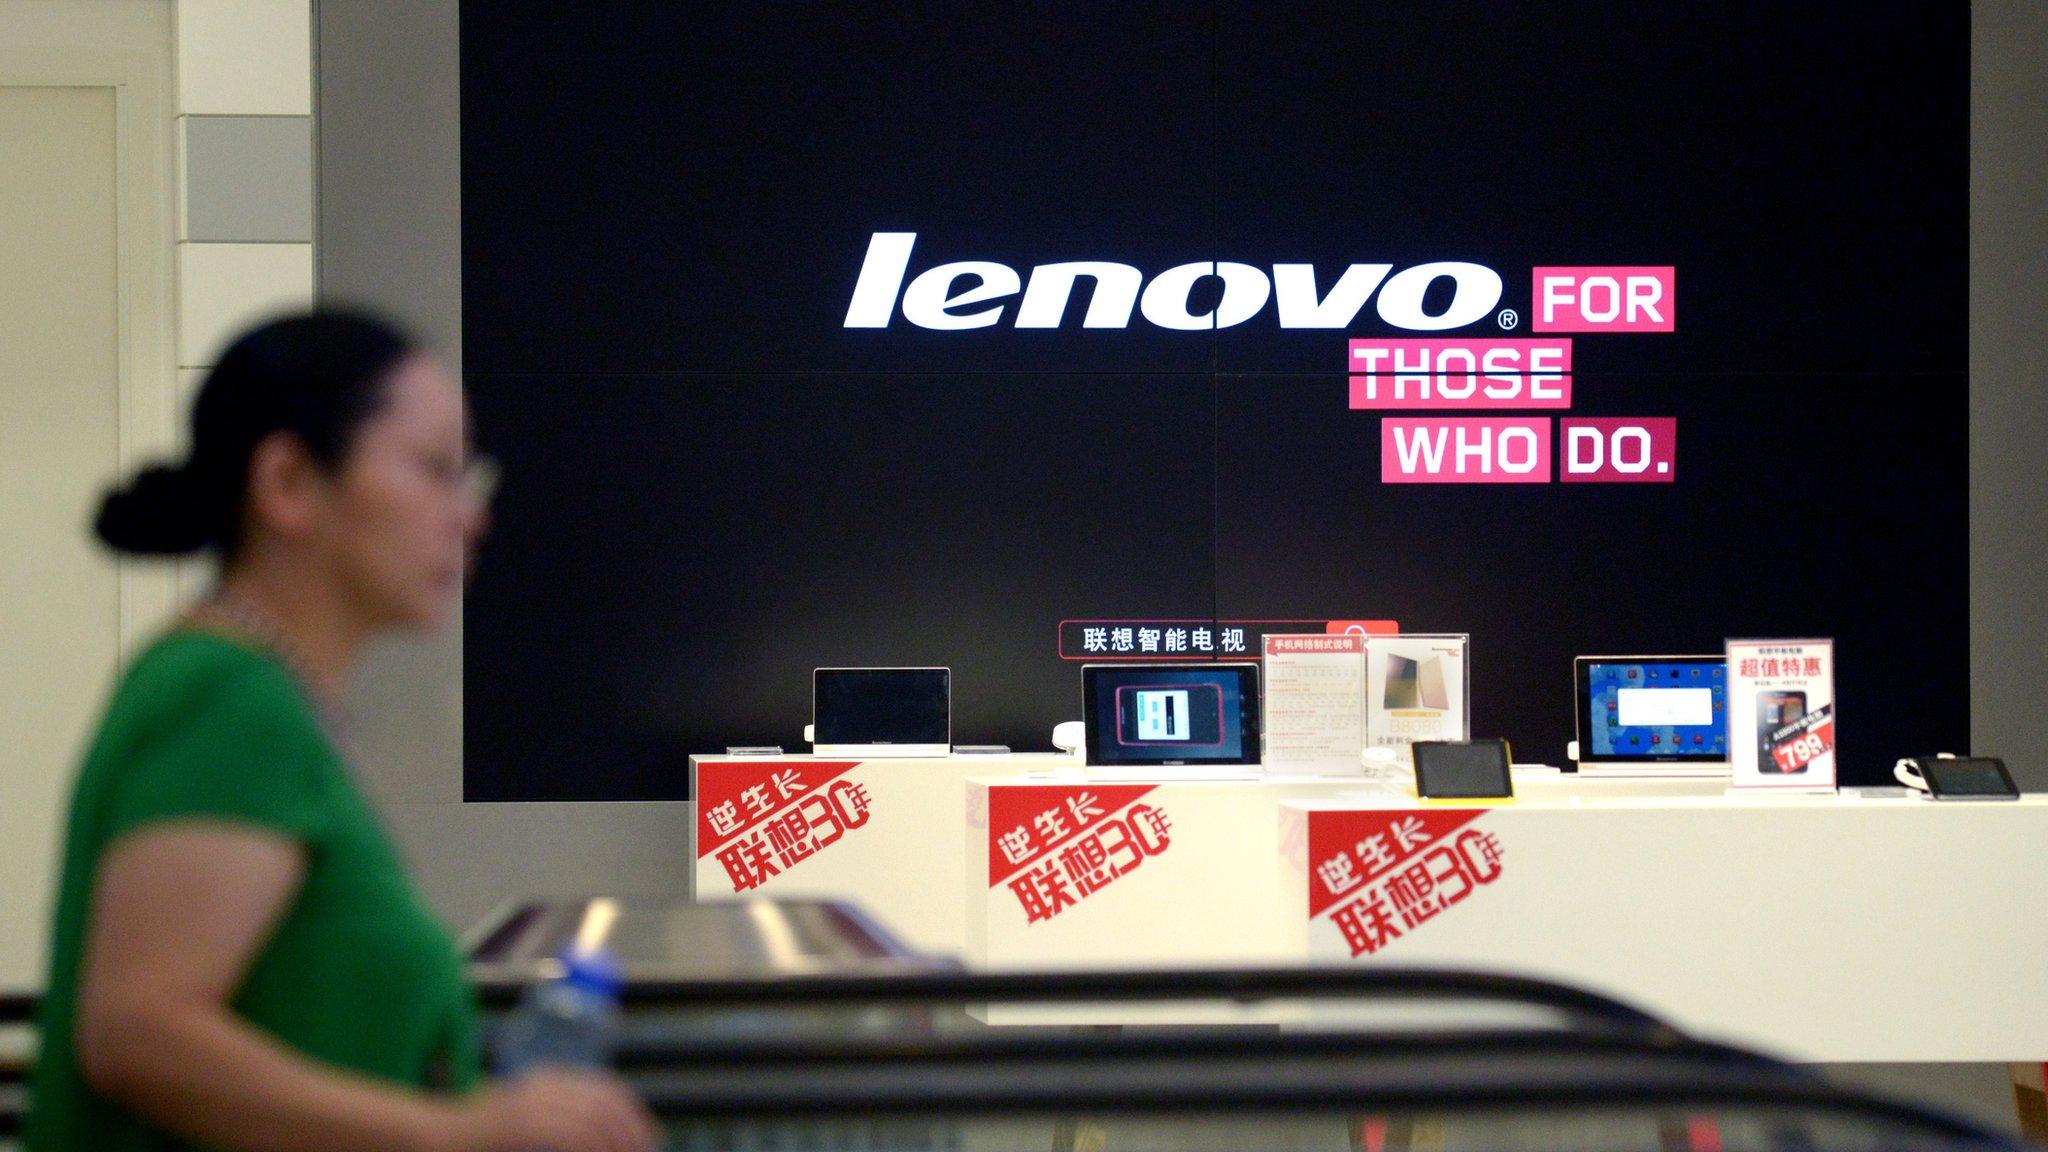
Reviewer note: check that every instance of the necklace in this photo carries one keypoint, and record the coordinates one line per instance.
(243, 616)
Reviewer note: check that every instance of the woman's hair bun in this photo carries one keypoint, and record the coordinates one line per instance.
(161, 512)
(318, 376)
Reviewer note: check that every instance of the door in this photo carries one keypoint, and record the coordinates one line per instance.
(60, 595)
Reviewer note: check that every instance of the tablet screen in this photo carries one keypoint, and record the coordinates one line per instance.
(1670, 708)
(1975, 778)
(1462, 770)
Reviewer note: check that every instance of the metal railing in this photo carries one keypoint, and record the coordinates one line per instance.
(1600, 1055)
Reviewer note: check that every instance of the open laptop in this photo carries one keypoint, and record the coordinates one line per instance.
(862, 713)
(1651, 715)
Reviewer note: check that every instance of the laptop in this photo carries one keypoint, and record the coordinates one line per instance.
(863, 713)
(1171, 721)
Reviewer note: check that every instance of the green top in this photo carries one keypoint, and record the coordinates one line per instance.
(358, 974)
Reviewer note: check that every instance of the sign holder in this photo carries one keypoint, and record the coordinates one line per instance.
(1781, 715)
(1418, 686)
(1315, 704)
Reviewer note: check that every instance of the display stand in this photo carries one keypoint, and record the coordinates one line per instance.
(1077, 873)
(1830, 928)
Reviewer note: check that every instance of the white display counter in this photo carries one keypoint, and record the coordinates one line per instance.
(890, 834)
(1821, 928)
(893, 834)
(1826, 929)
(1174, 874)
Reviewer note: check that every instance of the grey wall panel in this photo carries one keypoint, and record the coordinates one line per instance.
(249, 178)
(471, 857)
(2009, 386)
(388, 142)
(387, 96)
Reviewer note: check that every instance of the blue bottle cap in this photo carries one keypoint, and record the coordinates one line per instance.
(594, 970)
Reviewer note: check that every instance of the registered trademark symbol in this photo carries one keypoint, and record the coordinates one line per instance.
(1509, 318)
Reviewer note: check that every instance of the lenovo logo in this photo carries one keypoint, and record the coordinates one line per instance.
(982, 293)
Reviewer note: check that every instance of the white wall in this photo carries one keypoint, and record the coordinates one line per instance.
(245, 70)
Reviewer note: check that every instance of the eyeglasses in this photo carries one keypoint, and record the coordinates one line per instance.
(480, 478)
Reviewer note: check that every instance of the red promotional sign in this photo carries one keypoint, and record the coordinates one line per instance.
(1386, 873)
(1803, 741)
(1151, 641)
(1055, 847)
(762, 819)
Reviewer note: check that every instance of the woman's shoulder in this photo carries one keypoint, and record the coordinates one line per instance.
(193, 672)
(205, 725)
(187, 654)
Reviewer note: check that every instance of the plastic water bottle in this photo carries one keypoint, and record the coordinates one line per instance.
(570, 1020)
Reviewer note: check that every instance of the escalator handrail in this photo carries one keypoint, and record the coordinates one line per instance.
(1025, 1045)
(1240, 985)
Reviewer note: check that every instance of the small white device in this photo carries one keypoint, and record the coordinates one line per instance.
(1071, 737)
(1906, 772)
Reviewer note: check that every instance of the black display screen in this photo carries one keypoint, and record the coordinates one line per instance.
(882, 705)
(856, 335)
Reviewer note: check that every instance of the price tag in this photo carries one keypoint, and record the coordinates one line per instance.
(1805, 740)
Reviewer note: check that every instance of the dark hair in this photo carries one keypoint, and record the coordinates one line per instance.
(318, 376)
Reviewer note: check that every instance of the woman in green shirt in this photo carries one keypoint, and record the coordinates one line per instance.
(239, 959)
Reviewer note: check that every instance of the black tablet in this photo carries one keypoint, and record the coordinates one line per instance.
(1967, 778)
(861, 712)
(1462, 770)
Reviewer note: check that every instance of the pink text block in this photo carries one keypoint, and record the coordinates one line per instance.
(1619, 450)
(1455, 374)
(1630, 298)
(1465, 450)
